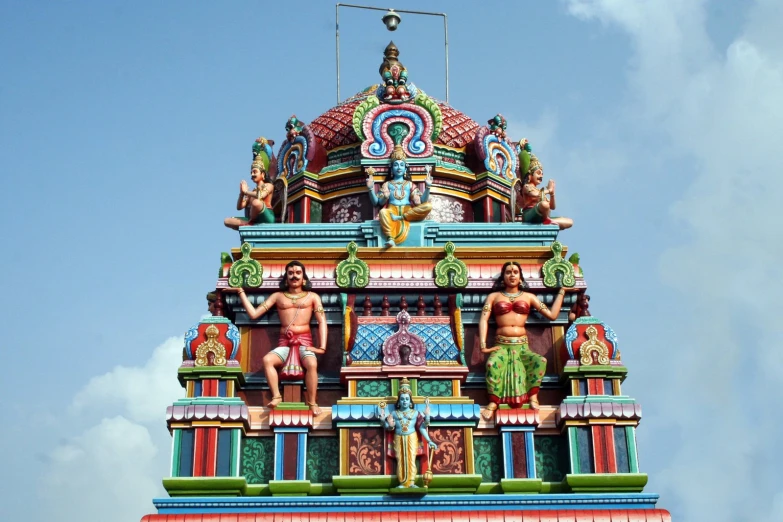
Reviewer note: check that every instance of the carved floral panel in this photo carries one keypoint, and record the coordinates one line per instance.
(258, 459)
(365, 451)
(449, 459)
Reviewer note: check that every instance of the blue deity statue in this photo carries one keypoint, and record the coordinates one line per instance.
(405, 421)
(402, 199)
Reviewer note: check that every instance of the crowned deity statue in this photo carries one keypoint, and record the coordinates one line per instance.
(256, 203)
(403, 201)
(405, 420)
(537, 203)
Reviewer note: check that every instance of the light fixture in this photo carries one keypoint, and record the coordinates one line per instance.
(392, 20)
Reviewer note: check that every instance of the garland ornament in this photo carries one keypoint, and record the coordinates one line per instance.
(352, 266)
(246, 271)
(557, 271)
(450, 272)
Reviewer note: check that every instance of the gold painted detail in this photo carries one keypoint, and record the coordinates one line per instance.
(211, 345)
(593, 350)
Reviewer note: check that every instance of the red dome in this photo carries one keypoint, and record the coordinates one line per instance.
(334, 128)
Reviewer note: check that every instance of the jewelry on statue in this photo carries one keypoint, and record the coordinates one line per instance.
(561, 292)
(486, 308)
(511, 297)
(295, 298)
(483, 344)
(399, 189)
(409, 416)
(319, 310)
(543, 307)
(265, 306)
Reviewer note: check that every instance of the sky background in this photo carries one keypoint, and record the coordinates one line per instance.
(125, 128)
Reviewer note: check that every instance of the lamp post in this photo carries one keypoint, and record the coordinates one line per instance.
(391, 19)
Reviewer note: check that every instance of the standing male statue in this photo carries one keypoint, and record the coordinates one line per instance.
(296, 304)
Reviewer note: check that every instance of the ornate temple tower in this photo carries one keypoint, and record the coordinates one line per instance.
(431, 356)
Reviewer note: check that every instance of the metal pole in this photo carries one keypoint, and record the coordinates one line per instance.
(371, 8)
(446, 33)
(337, 43)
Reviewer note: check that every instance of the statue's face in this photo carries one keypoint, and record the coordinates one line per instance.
(405, 401)
(512, 276)
(537, 177)
(295, 277)
(398, 168)
(257, 175)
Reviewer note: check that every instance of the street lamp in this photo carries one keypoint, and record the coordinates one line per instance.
(391, 19)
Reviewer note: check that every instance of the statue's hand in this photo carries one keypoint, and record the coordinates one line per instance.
(370, 178)
(243, 186)
(317, 351)
(428, 178)
(390, 421)
(551, 186)
(432, 445)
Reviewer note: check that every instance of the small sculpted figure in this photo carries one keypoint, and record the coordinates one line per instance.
(498, 125)
(406, 421)
(257, 202)
(514, 372)
(394, 76)
(537, 203)
(293, 127)
(581, 308)
(212, 303)
(296, 303)
(403, 201)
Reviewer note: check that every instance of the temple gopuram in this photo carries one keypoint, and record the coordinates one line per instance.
(400, 334)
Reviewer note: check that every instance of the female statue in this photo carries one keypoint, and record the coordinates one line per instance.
(405, 420)
(404, 202)
(514, 372)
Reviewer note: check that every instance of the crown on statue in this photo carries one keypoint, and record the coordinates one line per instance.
(535, 164)
(398, 153)
(405, 386)
(258, 164)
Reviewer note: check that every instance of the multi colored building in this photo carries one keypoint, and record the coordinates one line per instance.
(402, 292)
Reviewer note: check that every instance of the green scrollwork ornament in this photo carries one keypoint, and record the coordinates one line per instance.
(557, 271)
(422, 100)
(246, 271)
(358, 114)
(450, 272)
(352, 266)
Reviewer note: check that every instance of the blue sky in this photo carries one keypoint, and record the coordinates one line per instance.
(126, 126)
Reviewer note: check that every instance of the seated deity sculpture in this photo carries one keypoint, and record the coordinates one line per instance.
(256, 203)
(403, 201)
(537, 203)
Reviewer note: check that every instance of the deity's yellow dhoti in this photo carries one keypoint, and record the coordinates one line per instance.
(405, 448)
(397, 231)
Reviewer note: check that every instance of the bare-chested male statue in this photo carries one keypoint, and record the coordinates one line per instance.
(296, 304)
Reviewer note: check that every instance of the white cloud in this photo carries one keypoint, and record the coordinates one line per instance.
(139, 390)
(109, 472)
(115, 467)
(718, 115)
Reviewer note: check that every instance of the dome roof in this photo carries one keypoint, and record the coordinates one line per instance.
(334, 128)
